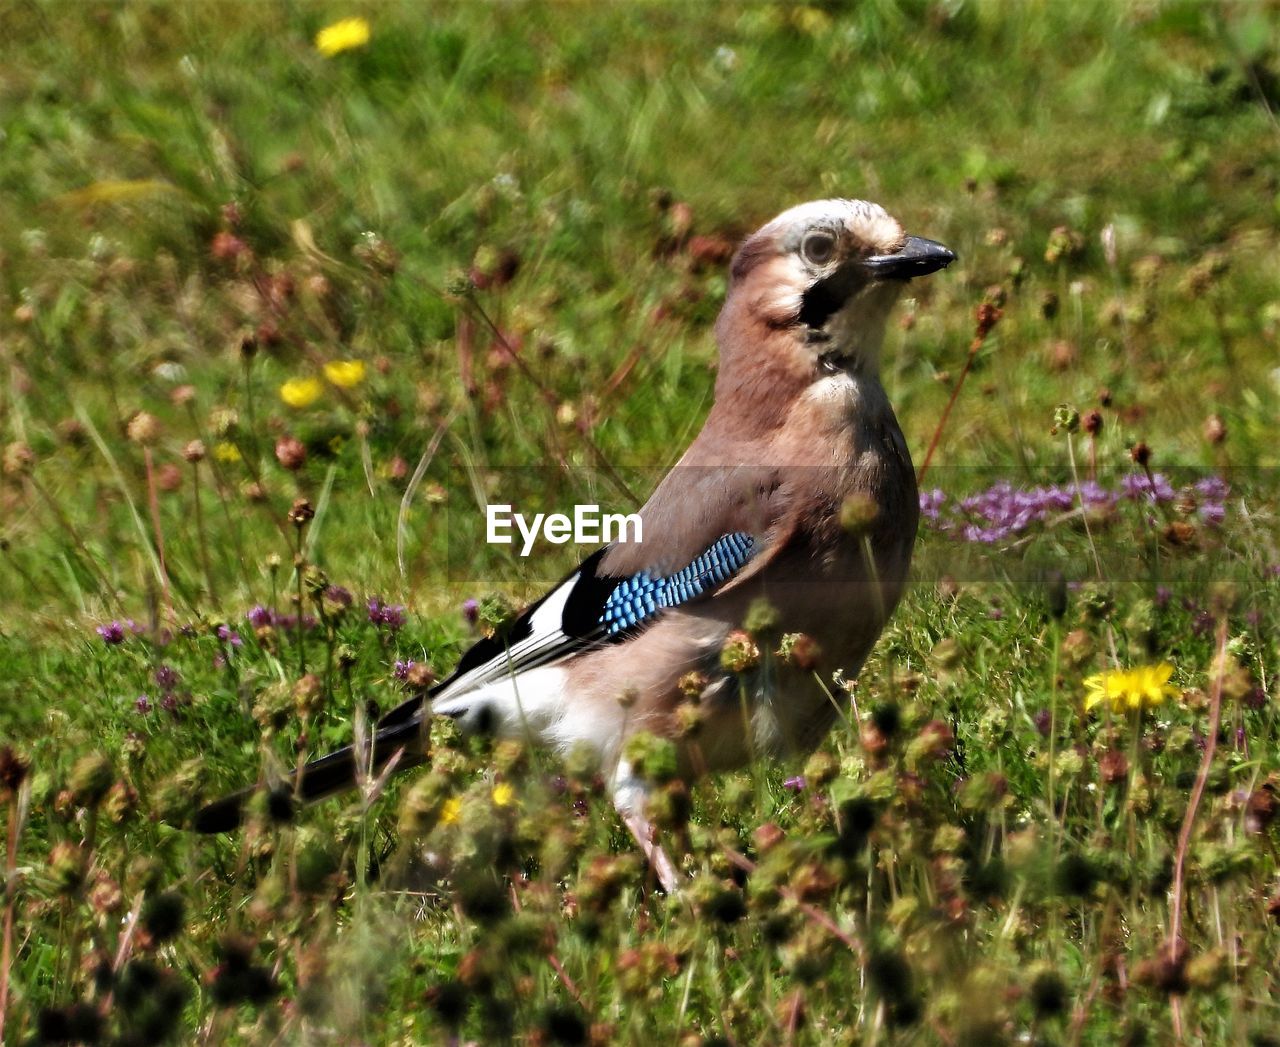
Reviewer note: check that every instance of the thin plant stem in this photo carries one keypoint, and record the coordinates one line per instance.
(153, 504)
(1189, 819)
(10, 896)
(988, 317)
(1084, 514)
(201, 537)
(298, 564)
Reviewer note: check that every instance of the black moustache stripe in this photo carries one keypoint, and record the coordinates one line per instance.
(825, 297)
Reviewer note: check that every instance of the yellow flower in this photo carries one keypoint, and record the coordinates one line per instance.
(503, 795)
(342, 36)
(450, 810)
(345, 373)
(1143, 687)
(301, 392)
(226, 452)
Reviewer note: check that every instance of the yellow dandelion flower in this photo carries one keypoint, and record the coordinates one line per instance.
(1151, 684)
(226, 452)
(301, 392)
(345, 374)
(450, 810)
(345, 35)
(503, 795)
(1143, 687)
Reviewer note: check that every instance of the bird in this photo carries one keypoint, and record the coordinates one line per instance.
(798, 496)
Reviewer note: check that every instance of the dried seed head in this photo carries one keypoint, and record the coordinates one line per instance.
(121, 802)
(1215, 429)
(689, 719)
(858, 512)
(291, 453)
(1091, 422)
(143, 429)
(90, 779)
(739, 653)
(762, 617)
(800, 651)
(66, 867)
(420, 676)
(1065, 419)
(1141, 453)
(72, 432)
(194, 451)
(18, 459)
(301, 513)
(13, 771)
(987, 315)
(1113, 766)
(308, 695)
(692, 685)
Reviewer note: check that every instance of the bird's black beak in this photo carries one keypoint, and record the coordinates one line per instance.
(916, 257)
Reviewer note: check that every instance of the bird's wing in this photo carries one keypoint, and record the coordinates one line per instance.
(609, 598)
(589, 608)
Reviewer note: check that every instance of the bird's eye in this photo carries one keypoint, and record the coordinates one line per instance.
(818, 248)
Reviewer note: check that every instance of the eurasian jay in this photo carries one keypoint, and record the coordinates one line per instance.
(799, 492)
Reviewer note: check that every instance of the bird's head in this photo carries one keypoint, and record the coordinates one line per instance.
(815, 286)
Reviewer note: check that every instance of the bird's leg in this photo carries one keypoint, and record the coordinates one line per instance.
(629, 797)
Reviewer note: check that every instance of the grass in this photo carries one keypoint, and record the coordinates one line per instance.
(514, 216)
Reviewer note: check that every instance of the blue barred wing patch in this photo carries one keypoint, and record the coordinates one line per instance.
(640, 597)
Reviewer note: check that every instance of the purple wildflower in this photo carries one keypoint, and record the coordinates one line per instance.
(169, 704)
(1202, 624)
(1094, 494)
(390, 615)
(260, 616)
(336, 594)
(795, 784)
(931, 503)
(142, 704)
(1154, 488)
(229, 635)
(111, 633)
(167, 678)
(1163, 596)
(471, 610)
(1213, 489)
(1043, 721)
(1213, 513)
(401, 671)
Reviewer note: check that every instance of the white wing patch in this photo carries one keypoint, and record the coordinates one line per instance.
(546, 636)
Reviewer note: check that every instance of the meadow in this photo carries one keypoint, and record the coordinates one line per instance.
(282, 309)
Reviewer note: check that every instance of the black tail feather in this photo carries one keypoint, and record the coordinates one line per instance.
(323, 777)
